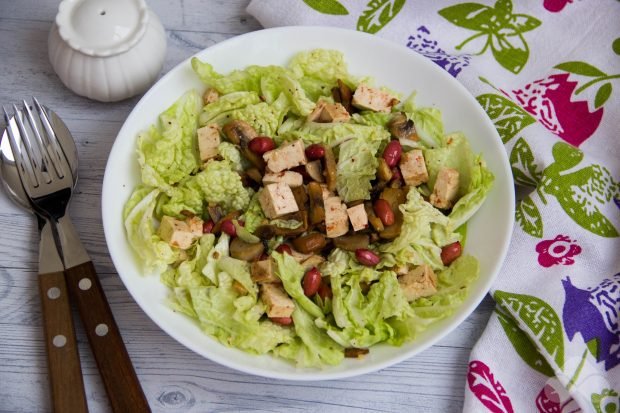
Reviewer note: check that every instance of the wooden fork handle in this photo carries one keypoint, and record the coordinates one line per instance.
(117, 372)
(62, 353)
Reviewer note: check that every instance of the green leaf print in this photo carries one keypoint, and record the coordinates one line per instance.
(503, 30)
(580, 68)
(327, 7)
(539, 317)
(528, 217)
(510, 51)
(602, 95)
(581, 192)
(378, 14)
(509, 118)
(524, 169)
(606, 402)
(524, 346)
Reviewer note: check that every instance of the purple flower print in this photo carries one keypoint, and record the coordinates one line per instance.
(422, 43)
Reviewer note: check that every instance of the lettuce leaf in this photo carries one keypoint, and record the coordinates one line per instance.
(227, 103)
(253, 215)
(356, 167)
(452, 289)
(168, 152)
(425, 230)
(221, 184)
(479, 188)
(246, 80)
(154, 253)
(428, 122)
(335, 133)
(265, 118)
(291, 273)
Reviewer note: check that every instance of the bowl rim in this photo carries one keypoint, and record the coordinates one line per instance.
(455, 319)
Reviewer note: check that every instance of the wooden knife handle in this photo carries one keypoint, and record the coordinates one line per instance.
(117, 372)
(62, 353)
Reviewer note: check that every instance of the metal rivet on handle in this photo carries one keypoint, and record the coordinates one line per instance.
(59, 340)
(101, 330)
(85, 284)
(53, 293)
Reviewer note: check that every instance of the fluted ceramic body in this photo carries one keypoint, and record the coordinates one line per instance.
(106, 50)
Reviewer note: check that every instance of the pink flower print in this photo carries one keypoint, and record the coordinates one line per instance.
(549, 400)
(559, 250)
(555, 6)
(549, 101)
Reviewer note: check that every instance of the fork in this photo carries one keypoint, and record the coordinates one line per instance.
(47, 181)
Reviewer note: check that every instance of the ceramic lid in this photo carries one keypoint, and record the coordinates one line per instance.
(102, 27)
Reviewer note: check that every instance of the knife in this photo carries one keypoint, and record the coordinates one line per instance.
(85, 291)
(61, 346)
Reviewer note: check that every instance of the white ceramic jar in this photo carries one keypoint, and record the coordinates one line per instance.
(107, 50)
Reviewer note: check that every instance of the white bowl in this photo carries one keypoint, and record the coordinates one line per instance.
(391, 65)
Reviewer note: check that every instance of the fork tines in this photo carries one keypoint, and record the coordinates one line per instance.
(34, 144)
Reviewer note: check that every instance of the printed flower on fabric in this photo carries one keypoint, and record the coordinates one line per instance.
(556, 6)
(559, 250)
(594, 313)
(424, 44)
(554, 398)
(549, 101)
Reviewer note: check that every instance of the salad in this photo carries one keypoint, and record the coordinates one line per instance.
(306, 213)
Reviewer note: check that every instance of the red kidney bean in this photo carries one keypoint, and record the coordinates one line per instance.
(451, 252)
(207, 226)
(312, 282)
(284, 249)
(315, 151)
(367, 257)
(283, 321)
(396, 175)
(261, 144)
(384, 211)
(325, 291)
(392, 153)
(229, 228)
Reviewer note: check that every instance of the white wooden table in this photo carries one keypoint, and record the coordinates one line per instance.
(174, 378)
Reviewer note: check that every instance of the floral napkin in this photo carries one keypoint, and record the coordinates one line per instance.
(547, 72)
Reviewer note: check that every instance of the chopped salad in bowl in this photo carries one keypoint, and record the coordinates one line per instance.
(305, 213)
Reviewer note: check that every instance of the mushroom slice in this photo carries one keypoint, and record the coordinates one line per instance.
(238, 131)
(402, 128)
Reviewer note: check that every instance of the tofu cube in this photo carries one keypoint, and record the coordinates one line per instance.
(299, 256)
(292, 179)
(413, 168)
(178, 233)
(278, 303)
(326, 192)
(264, 272)
(329, 112)
(370, 98)
(287, 156)
(446, 188)
(336, 218)
(335, 113)
(277, 200)
(208, 141)
(420, 282)
(358, 217)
